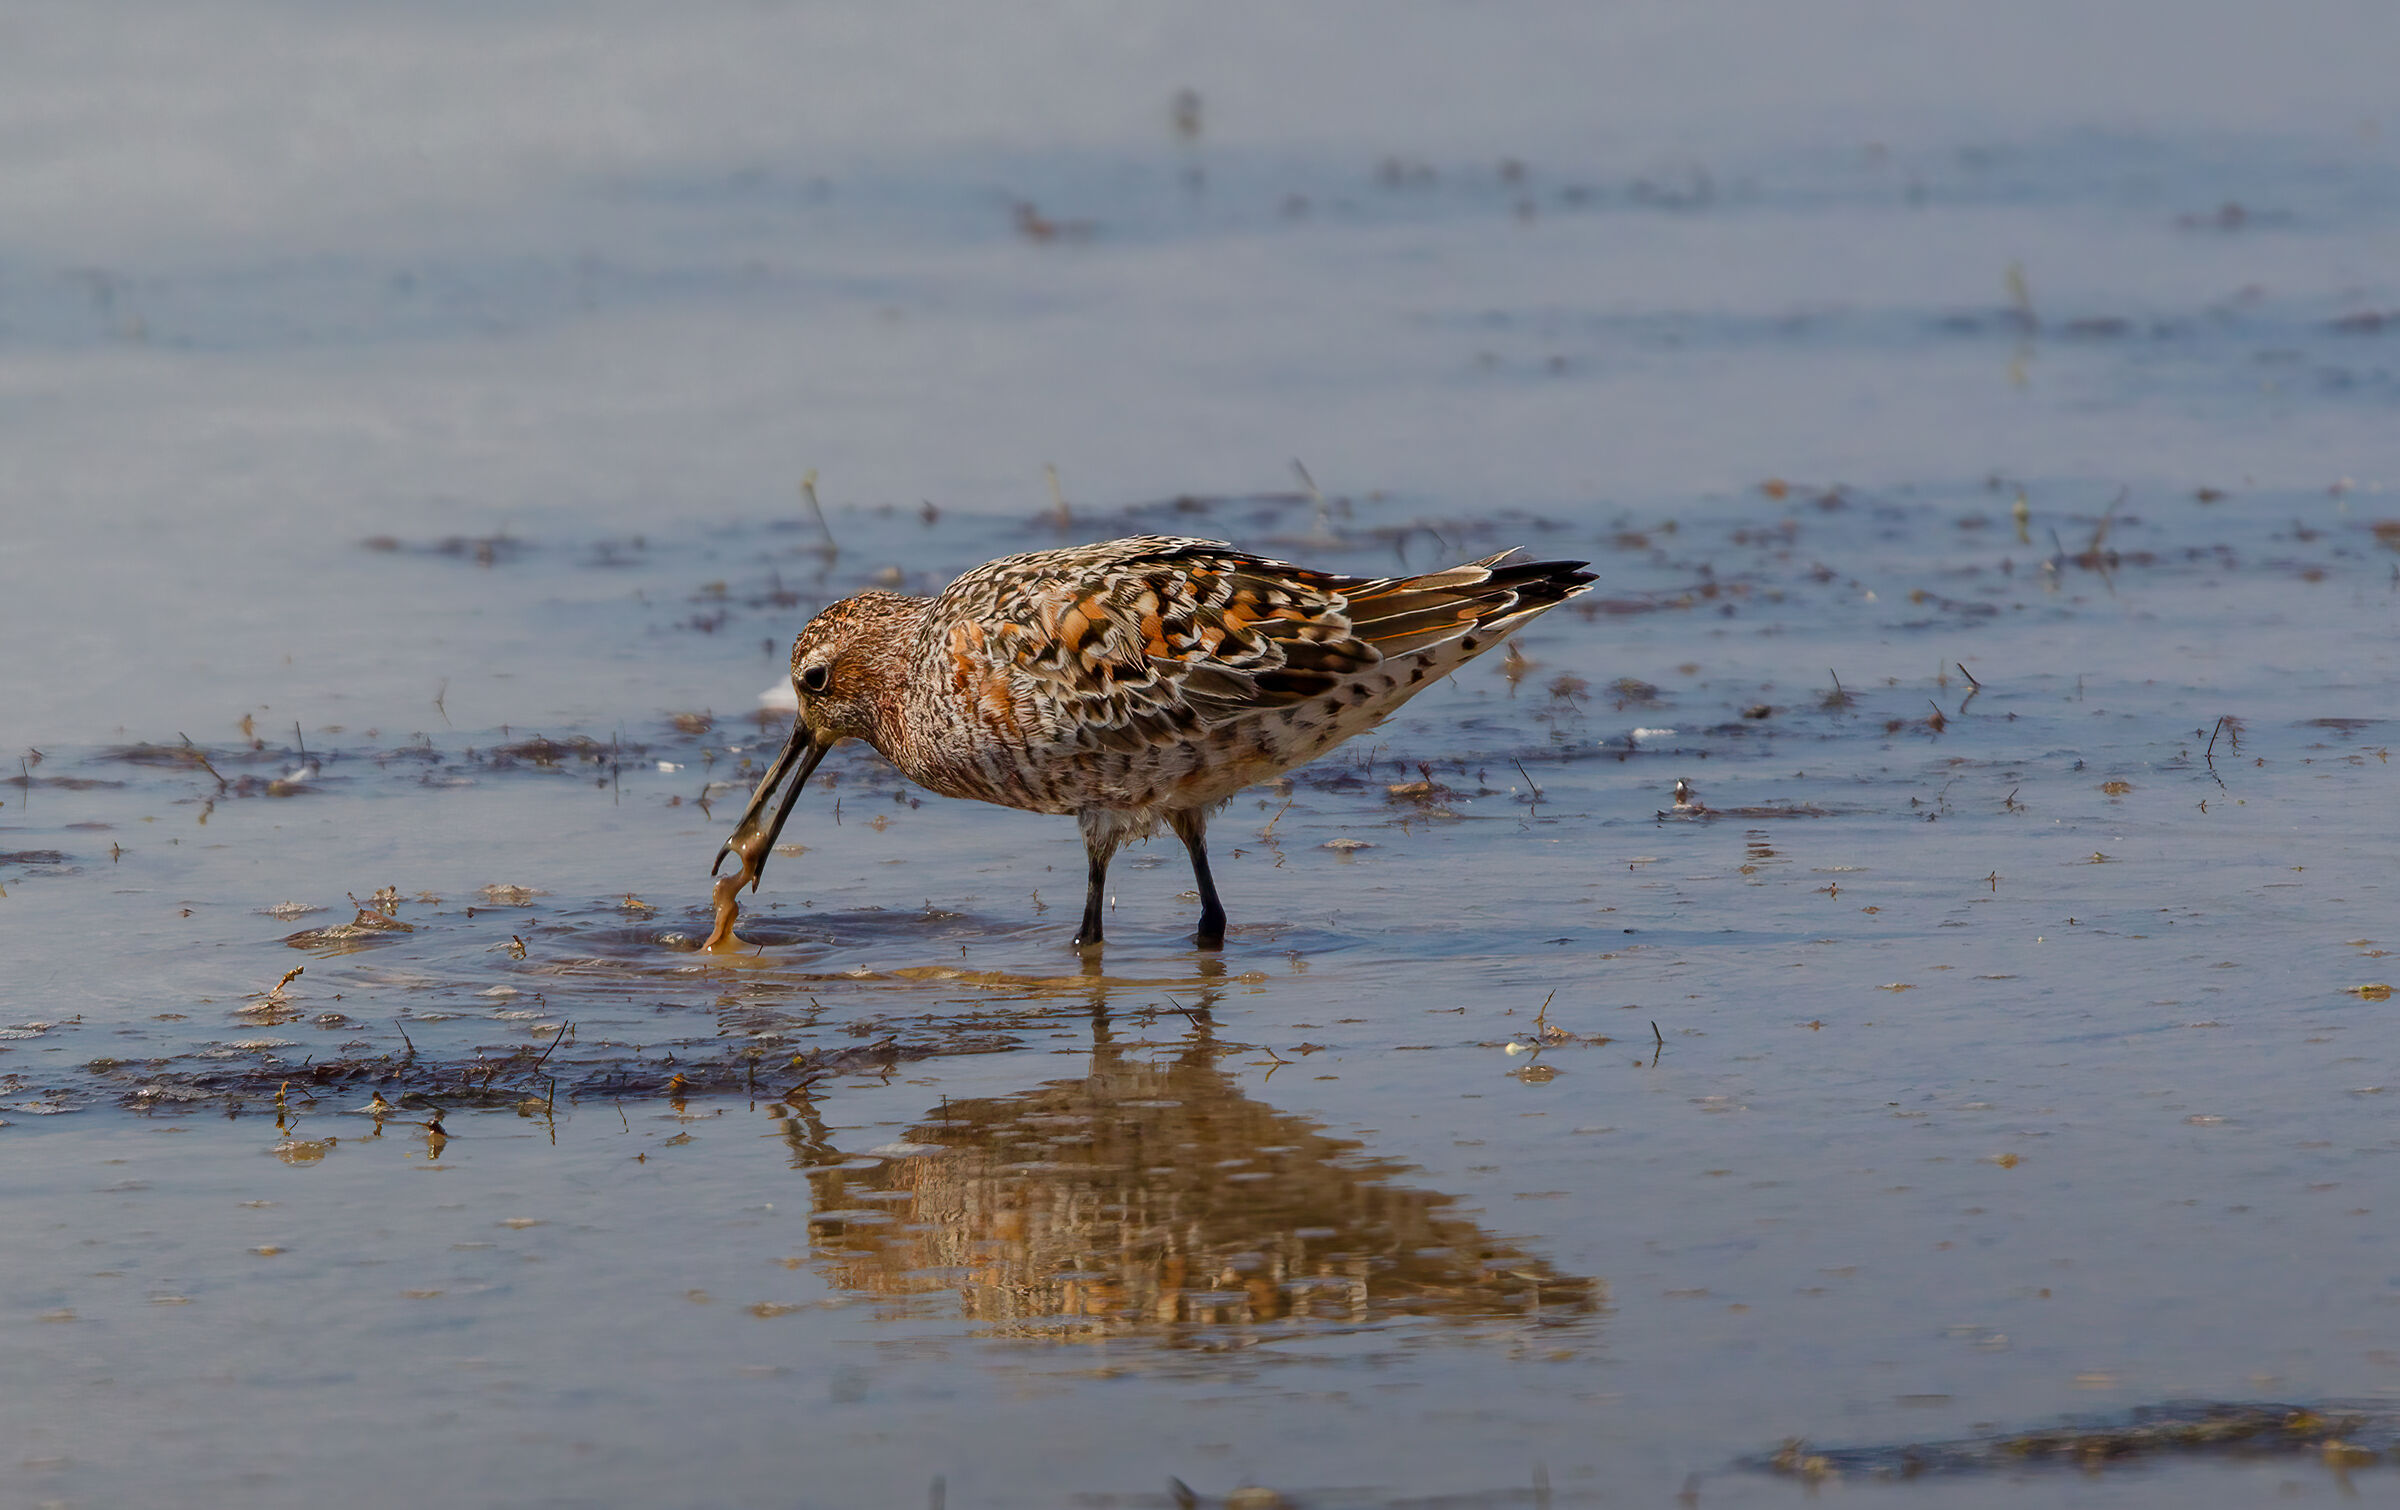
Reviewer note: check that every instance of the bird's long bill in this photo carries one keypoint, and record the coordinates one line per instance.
(748, 843)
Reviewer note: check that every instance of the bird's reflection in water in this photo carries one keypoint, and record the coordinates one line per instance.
(1152, 1198)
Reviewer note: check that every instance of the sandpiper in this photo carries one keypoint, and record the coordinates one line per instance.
(1130, 682)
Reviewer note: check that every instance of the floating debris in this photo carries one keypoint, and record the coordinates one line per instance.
(369, 927)
(2344, 1436)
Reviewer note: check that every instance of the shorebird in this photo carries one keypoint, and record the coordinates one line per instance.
(1132, 683)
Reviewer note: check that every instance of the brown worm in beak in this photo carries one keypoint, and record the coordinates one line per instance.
(750, 843)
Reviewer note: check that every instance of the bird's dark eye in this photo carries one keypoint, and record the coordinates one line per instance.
(813, 679)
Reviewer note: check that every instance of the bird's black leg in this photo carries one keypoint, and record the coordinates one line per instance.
(1090, 903)
(1191, 826)
(1103, 830)
(1088, 936)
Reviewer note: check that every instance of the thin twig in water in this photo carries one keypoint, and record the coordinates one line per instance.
(200, 758)
(2210, 754)
(2100, 531)
(556, 1039)
(816, 510)
(1969, 675)
(1324, 524)
(404, 1038)
(1060, 514)
(1528, 775)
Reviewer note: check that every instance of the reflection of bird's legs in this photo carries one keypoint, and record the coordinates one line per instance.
(804, 1129)
(1191, 826)
(1198, 1055)
(1212, 991)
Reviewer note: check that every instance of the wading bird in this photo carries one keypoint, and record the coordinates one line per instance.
(1133, 683)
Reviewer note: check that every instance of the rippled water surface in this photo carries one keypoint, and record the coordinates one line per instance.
(1903, 964)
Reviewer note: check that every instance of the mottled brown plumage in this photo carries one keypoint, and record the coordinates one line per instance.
(1131, 682)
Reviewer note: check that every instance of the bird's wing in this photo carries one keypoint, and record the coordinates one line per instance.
(1134, 643)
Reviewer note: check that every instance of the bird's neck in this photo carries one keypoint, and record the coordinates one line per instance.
(880, 660)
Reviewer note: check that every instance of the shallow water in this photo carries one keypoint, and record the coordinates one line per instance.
(1992, 1031)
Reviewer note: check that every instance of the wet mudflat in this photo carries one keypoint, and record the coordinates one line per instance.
(1893, 985)
(1943, 1058)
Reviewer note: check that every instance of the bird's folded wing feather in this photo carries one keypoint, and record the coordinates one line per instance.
(1161, 638)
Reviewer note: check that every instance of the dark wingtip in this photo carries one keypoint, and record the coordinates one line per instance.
(1541, 583)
